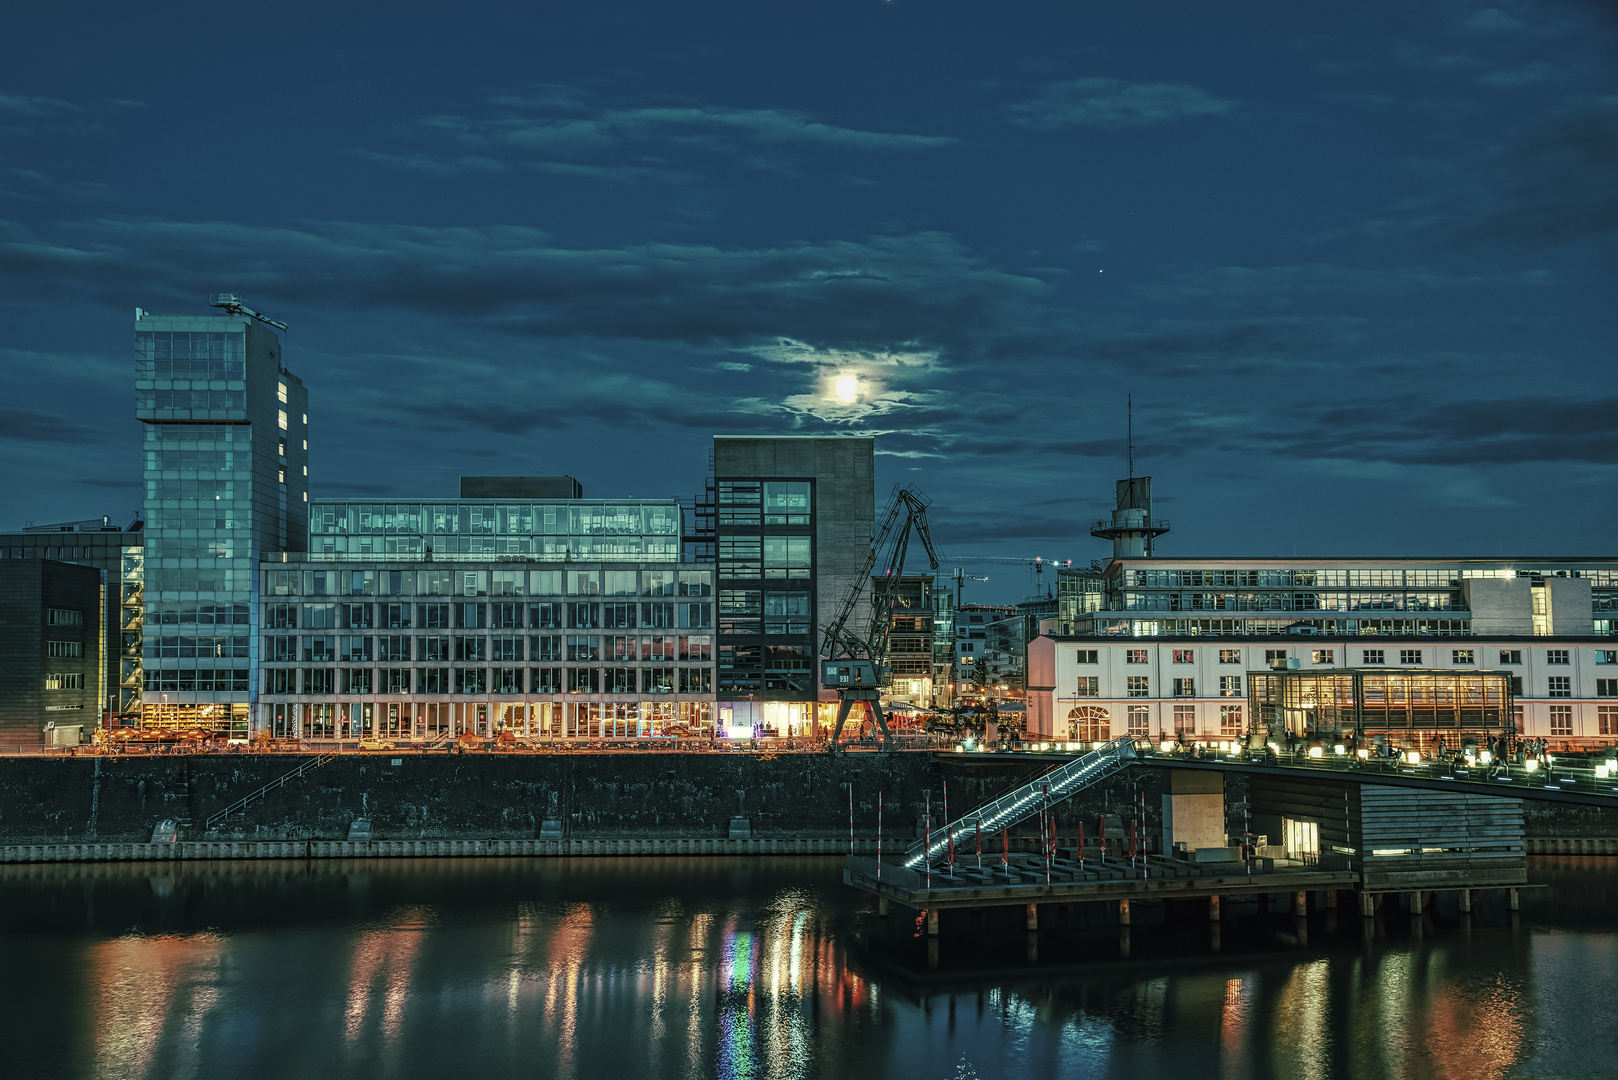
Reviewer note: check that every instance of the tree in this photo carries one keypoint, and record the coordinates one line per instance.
(980, 673)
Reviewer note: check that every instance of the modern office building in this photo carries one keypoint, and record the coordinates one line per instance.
(116, 552)
(552, 618)
(226, 443)
(53, 680)
(794, 519)
(913, 660)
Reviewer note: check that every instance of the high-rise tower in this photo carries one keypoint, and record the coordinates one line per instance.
(227, 478)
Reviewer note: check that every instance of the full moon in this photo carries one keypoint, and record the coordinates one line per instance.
(848, 388)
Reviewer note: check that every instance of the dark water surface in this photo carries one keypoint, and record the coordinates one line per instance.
(650, 968)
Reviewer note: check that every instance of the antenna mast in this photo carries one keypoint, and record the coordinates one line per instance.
(1130, 405)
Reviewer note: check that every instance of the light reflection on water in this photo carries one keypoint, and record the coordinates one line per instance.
(700, 968)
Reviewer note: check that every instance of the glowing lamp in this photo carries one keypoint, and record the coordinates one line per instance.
(1339, 749)
(1166, 746)
(1485, 757)
(1316, 752)
(1531, 765)
(960, 749)
(1602, 772)
(1362, 753)
(1413, 757)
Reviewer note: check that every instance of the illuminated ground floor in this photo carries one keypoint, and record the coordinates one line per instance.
(421, 718)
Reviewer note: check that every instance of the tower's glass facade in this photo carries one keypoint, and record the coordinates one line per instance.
(226, 471)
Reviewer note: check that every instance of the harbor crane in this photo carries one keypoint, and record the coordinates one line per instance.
(855, 662)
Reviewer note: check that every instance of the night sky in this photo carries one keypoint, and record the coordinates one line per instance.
(1355, 262)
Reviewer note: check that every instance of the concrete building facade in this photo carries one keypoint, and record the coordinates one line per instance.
(117, 552)
(794, 519)
(53, 680)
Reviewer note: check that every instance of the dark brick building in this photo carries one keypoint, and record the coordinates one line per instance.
(51, 669)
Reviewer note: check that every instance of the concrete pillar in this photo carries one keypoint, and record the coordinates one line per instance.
(1368, 904)
(1213, 908)
(882, 906)
(1033, 916)
(1123, 913)
(1331, 899)
(932, 922)
(1465, 897)
(1300, 904)
(1415, 902)
(1511, 899)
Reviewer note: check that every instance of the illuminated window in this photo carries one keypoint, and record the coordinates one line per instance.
(1135, 656)
(1185, 688)
(1607, 718)
(1230, 686)
(1185, 656)
(1230, 656)
(1139, 720)
(1561, 720)
(1607, 656)
(281, 392)
(1185, 719)
(1139, 686)
(1462, 656)
(1088, 686)
(281, 417)
(1325, 656)
(57, 680)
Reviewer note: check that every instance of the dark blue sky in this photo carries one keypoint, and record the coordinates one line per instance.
(1355, 262)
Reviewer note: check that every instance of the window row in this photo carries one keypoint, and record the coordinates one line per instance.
(398, 648)
(481, 680)
(516, 582)
(200, 681)
(558, 615)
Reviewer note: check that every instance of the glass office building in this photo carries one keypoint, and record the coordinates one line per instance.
(543, 619)
(226, 475)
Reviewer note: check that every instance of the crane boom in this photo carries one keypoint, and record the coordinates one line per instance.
(855, 664)
(233, 304)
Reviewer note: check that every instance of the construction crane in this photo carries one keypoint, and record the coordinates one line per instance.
(233, 304)
(855, 664)
(961, 577)
(1038, 563)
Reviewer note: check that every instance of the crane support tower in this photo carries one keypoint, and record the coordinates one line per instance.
(856, 663)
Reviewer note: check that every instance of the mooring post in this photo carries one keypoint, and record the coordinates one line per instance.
(1415, 902)
(882, 906)
(1123, 913)
(1033, 916)
(1466, 900)
(1213, 908)
(1368, 904)
(1511, 899)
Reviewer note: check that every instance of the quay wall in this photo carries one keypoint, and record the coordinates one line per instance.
(656, 802)
(594, 796)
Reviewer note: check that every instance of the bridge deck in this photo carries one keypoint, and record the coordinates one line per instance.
(1026, 882)
(1564, 782)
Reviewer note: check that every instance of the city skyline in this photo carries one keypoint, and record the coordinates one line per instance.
(1348, 264)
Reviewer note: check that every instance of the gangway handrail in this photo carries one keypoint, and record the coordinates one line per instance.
(241, 803)
(1023, 802)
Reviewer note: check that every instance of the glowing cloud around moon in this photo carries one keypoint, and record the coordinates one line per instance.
(848, 388)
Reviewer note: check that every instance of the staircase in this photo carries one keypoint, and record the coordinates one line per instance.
(215, 820)
(1025, 801)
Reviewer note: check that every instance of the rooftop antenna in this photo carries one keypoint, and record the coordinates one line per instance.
(1129, 400)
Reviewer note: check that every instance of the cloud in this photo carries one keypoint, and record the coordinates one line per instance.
(1468, 434)
(1113, 103)
(885, 296)
(433, 165)
(1244, 284)
(1563, 181)
(28, 425)
(537, 131)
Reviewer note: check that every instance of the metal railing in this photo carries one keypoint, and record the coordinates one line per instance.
(1023, 802)
(313, 763)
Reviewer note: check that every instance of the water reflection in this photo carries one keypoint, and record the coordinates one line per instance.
(761, 969)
